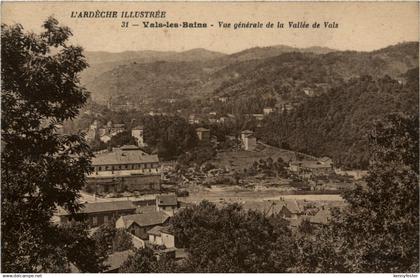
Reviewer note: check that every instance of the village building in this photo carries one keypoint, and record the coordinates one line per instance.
(125, 169)
(92, 132)
(139, 224)
(167, 203)
(106, 132)
(258, 117)
(138, 133)
(246, 133)
(114, 129)
(268, 110)
(203, 134)
(194, 119)
(223, 99)
(161, 236)
(322, 217)
(249, 142)
(153, 113)
(290, 209)
(99, 213)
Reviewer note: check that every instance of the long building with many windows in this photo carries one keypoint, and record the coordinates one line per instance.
(124, 169)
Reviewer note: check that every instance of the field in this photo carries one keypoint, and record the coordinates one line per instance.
(240, 160)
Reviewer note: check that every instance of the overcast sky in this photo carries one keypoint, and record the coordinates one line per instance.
(362, 26)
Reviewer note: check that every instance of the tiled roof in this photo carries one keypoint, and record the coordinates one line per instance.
(271, 207)
(145, 219)
(322, 217)
(167, 200)
(292, 206)
(157, 230)
(139, 127)
(126, 156)
(103, 207)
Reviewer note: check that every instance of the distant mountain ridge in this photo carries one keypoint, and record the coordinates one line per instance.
(202, 73)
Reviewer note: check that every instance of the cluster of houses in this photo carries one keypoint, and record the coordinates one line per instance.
(247, 138)
(147, 223)
(306, 168)
(106, 132)
(295, 212)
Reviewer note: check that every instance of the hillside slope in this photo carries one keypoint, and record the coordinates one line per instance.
(337, 124)
(238, 75)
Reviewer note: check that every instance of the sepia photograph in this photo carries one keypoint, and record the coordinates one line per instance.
(209, 137)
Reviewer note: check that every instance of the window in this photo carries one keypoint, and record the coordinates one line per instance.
(94, 220)
(100, 168)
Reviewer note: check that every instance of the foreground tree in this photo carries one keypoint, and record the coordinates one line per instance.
(143, 261)
(110, 239)
(379, 231)
(40, 168)
(231, 239)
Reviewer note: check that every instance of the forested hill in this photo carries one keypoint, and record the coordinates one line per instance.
(251, 72)
(336, 124)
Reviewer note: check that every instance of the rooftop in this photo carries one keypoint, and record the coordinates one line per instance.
(145, 219)
(102, 207)
(157, 230)
(270, 207)
(322, 217)
(202, 129)
(125, 155)
(167, 200)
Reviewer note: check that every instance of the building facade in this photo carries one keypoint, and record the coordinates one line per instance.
(124, 169)
(138, 133)
(203, 134)
(99, 213)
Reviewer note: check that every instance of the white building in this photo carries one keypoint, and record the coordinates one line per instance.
(161, 236)
(138, 133)
(268, 110)
(249, 142)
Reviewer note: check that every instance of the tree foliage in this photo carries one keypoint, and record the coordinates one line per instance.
(41, 169)
(109, 239)
(335, 124)
(170, 136)
(230, 239)
(378, 231)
